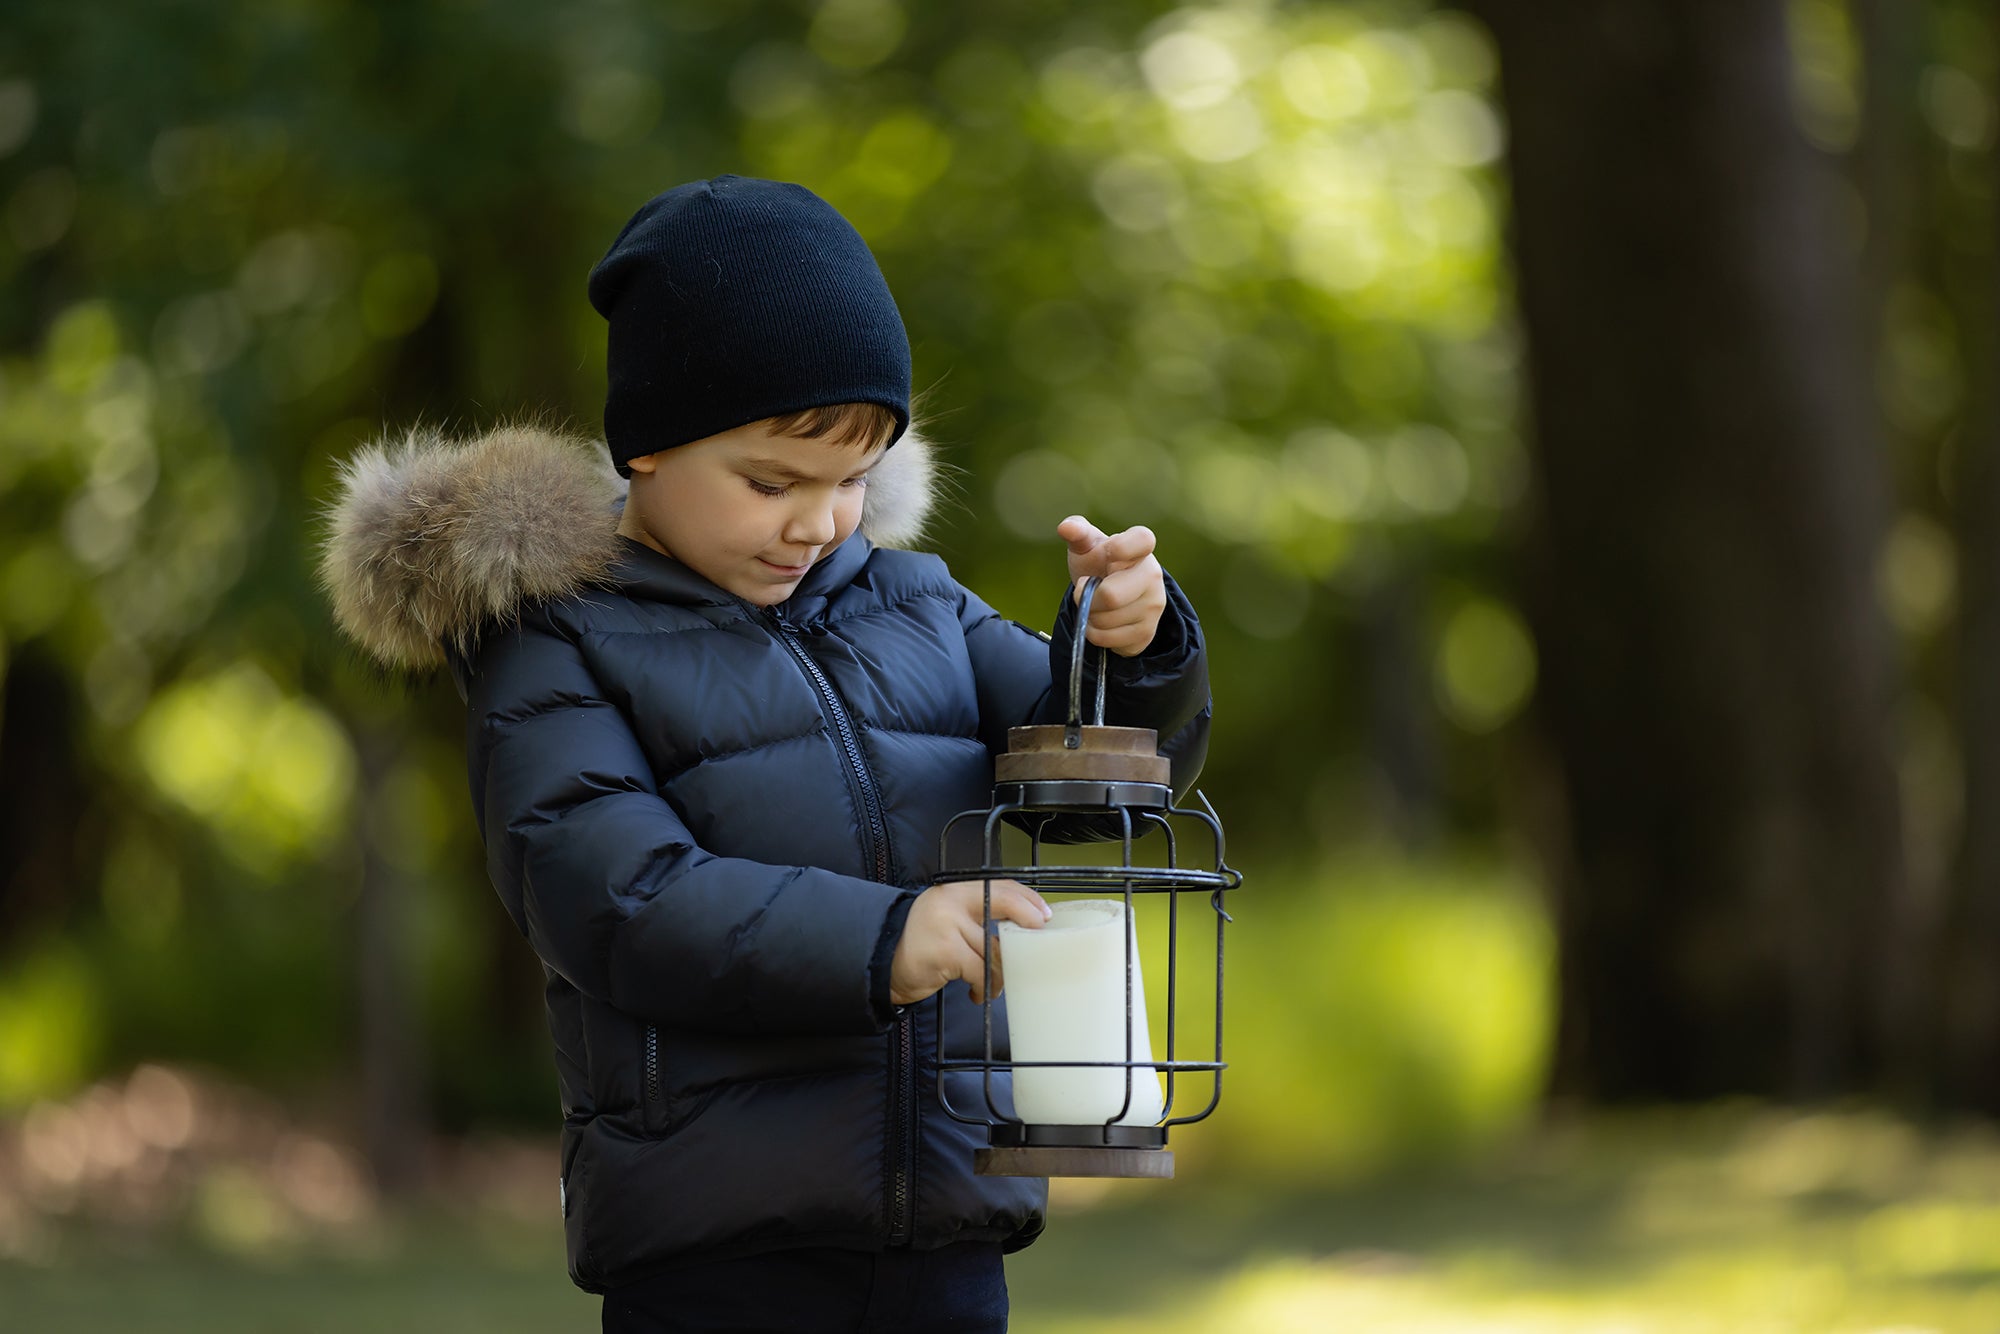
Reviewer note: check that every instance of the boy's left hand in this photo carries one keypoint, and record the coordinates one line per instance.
(1126, 609)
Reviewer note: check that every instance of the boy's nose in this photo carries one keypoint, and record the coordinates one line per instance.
(811, 526)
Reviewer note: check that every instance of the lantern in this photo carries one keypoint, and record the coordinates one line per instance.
(1080, 1093)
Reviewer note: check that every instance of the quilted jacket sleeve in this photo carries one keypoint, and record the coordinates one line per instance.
(1023, 679)
(608, 885)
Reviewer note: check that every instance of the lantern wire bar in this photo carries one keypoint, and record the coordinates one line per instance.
(1173, 950)
(1172, 880)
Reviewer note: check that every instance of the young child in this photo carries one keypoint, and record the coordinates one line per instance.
(715, 727)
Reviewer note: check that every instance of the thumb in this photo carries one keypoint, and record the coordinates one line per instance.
(1082, 535)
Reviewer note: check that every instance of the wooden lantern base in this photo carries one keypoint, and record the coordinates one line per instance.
(1075, 1151)
(1007, 1161)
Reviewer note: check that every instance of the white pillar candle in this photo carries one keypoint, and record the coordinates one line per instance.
(1065, 987)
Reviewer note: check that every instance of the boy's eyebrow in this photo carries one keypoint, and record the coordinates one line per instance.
(784, 470)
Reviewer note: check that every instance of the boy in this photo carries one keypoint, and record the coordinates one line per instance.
(713, 735)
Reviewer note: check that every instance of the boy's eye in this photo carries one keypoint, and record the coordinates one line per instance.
(767, 489)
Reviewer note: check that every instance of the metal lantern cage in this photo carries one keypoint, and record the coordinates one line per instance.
(1115, 779)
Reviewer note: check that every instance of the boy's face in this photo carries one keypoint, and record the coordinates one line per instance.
(748, 510)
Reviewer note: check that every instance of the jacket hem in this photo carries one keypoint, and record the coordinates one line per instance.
(1009, 1240)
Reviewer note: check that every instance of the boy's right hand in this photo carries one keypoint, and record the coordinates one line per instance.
(942, 941)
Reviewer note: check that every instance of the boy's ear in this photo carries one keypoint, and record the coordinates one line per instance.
(645, 463)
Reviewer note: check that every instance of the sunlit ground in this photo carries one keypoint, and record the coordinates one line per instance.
(210, 1212)
(1729, 1220)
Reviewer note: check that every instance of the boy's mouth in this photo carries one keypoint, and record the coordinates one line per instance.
(793, 570)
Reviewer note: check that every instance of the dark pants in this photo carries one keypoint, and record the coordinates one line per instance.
(814, 1291)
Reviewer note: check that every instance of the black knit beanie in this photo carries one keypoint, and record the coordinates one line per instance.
(735, 299)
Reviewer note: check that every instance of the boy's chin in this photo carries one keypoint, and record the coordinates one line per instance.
(767, 595)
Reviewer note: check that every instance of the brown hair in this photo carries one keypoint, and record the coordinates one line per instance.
(856, 425)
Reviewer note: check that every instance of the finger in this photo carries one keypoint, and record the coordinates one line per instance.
(1027, 892)
(1129, 641)
(1127, 595)
(1126, 599)
(1111, 594)
(1035, 898)
(1126, 643)
(975, 897)
(971, 965)
(1130, 546)
(1132, 583)
(1107, 573)
(1081, 534)
(1021, 910)
(1124, 621)
(1023, 905)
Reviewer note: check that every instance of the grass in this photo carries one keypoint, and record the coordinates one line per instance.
(1730, 1219)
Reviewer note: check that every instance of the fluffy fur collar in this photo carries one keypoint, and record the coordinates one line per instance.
(430, 536)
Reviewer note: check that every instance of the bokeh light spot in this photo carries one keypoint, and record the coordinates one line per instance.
(1190, 69)
(18, 105)
(612, 106)
(1426, 469)
(271, 774)
(398, 293)
(1324, 82)
(1485, 665)
(1918, 575)
(1458, 128)
(1329, 472)
(1138, 192)
(1036, 490)
(1057, 342)
(1264, 600)
(42, 208)
(856, 34)
(49, 1024)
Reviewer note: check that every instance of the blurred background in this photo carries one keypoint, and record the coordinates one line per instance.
(1574, 419)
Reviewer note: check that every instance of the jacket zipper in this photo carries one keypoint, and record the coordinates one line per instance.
(903, 1131)
(902, 1153)
(652, 1063)
(875, 841)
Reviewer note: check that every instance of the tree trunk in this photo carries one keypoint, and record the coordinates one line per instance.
(50, 823)
(395, 1120)
(1708, 497)
(1970, 1075)
(1882, 170)
(1402, 739)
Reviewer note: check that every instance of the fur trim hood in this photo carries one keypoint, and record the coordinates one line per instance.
(430, 536)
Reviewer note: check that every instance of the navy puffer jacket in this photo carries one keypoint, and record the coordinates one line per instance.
(709, 819)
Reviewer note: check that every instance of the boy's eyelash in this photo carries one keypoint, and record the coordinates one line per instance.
(765, 489)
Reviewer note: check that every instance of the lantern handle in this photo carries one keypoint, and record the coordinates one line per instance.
(1073, 729)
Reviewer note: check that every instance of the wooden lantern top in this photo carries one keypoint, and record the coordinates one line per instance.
(1101, 754)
